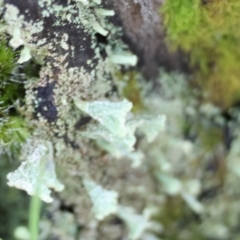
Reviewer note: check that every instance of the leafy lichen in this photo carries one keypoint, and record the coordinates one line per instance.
(36, 174)
(119, 169)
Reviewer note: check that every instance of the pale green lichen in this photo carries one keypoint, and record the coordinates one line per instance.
(36, 174)
(77, 92)
(113, 161)
(123, 59)
(152, 127)
(136, 223)
(25, 55)
(104, 201)
(109, 114)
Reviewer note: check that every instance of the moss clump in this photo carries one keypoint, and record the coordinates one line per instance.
(209, 33)
(131, 90)
(13, 131)
(174, 216)
(8, 90)
(13, 128)
(6, 60)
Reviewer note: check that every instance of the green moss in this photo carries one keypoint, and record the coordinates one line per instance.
(210, 137)
(180, 18)
(8, 90)
(174, 216)
(209, 33)
(132, 91)
(13, 128)
(6, 60)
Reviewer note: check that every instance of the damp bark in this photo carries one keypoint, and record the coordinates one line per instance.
(142, 27)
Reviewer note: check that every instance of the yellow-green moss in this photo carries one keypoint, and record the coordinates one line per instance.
(7, 90)
(210, 33)
(132, 91)
(175, 214)
(13, 128)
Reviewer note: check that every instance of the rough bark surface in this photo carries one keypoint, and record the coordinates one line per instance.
(144, 32)
(142, 28)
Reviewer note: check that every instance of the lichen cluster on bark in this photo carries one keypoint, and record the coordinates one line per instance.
(114, 129)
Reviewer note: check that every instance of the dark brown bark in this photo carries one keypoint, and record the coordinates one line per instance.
(143, 32)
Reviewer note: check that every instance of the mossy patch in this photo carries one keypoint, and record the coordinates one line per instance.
(209, 33)
(132, 90)
(176, 215)
(13, 128)
(7, 90)
(6, 60)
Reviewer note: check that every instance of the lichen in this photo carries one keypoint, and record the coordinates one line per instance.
(75, 80)
(135, 156)
(36, 174)
(104, 201)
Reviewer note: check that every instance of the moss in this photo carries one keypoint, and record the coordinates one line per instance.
(132, 91)
(13, 128)
(176, 215)
(7, 62)
(180, 18)
(209, 33)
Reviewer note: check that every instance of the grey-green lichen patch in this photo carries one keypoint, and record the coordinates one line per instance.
(109, 114)
(116, 132)
(63, 226)
(104, 201)
(22, 32)
(82, 13)
(123, 154)
(77, 109)
(25, 55)
(152, 126)
(202, 173)
(74, 71)
(136, 223)
(36, 174)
